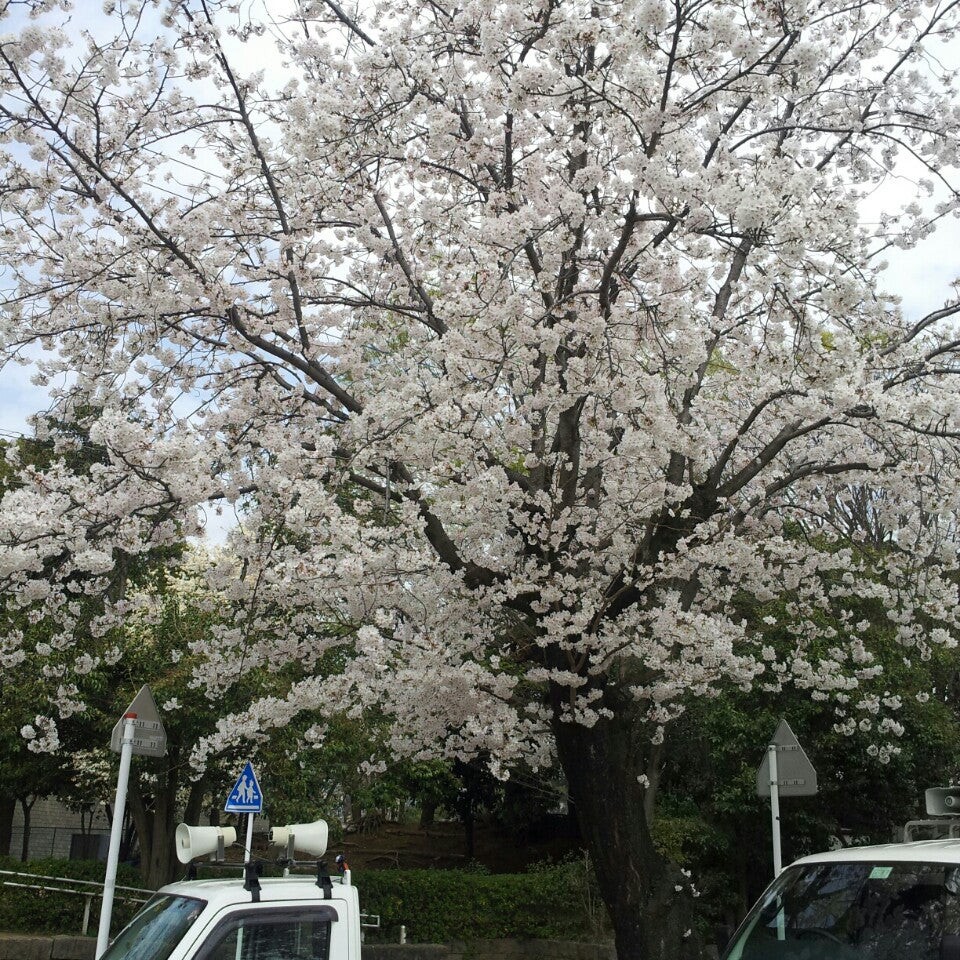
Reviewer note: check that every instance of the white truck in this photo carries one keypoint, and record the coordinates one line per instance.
(897, 901)
(248, 917)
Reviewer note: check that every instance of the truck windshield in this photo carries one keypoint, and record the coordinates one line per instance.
(853, 911)
(156, 930)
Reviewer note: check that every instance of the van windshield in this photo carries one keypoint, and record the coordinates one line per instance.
(156, 930)
(853, 911)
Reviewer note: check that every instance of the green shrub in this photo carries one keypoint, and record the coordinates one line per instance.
(557, 902)
(25, 910)
(436, 906)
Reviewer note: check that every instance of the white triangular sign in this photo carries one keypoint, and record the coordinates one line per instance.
(150, 739)
(795, 774)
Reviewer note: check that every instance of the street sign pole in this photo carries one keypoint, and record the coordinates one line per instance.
(775, 809)
(139, 731)
(248, 855)
(785, 771)
(116, 834)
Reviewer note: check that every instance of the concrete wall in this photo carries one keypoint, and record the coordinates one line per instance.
(14, 946)
(52, 828)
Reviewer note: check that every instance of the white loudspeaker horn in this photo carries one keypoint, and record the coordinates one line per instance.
(309, 837)
(196, 841)
(943, 801)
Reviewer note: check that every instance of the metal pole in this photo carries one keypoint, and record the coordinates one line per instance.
(116, 834)
(775, 809)
(87, 900)
(248, 855)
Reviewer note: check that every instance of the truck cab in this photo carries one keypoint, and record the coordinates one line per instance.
(287, 918)
(898, 901)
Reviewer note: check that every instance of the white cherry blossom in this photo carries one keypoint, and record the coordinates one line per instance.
(527, 338)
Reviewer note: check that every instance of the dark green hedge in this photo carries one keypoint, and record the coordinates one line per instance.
(436, 906)
(553, 903)
(42, 911)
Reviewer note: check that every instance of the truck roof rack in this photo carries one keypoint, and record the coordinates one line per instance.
(941, 828)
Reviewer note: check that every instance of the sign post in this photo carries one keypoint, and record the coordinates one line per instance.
(784, 772)
(246, 797)
(775, 809)
(138, 731)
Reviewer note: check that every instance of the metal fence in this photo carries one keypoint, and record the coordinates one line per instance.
(90, 890)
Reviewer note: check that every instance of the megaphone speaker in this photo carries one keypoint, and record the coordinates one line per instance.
(943, 801)
(194, 842)
(309, 837)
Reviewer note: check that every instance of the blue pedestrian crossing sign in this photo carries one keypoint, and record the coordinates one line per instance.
(246, 795)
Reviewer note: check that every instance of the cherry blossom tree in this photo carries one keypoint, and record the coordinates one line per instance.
(525, 337)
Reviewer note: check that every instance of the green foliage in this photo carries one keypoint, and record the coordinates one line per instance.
(29, 688)
(683, 836)
(25, 910)
(303, 783)
(557, 902)
(710, 819)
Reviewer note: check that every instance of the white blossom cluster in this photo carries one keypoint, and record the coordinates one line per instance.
(41, 735)
(527, 337)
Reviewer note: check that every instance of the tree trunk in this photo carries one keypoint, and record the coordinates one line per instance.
(8, 806)
(155, 817)
(194, 807)
(128, 838)
(26, 807)
(149, 816)
(648, 898)
(428, 812)
(470, 834)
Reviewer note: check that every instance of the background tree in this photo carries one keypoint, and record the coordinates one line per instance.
(710, 814)
(30, 777)
(713, 821)
(578, 292)
(170, 621)
(26, 774)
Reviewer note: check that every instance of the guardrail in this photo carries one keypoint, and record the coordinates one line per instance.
(88, 895)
